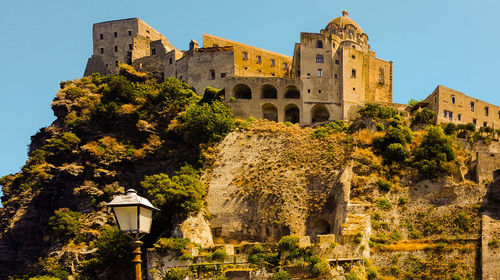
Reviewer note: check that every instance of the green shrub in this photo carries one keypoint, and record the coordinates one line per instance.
(413, 102)
(352, 276)
(384, 204)
(318, 269)
(450, 128)
(319, 132)
(288, 124)
(165, 245)
(371, 273)
(186, 257)
(494, 243)
(402, 201)
(174, 274)
(435, 149)
(74, 92)
(281, 275)
(384, 185)
(358, 238)
(44, 277)
(463, 222)
(393, 144)
(380, 127)
(376, 111)
(336, 126)
(203, 123)
(183, 193)
(219, 255)
(288, 243)
(424, 116)
(211, 94)
(65, 143)
(65, 223)
(118, 90)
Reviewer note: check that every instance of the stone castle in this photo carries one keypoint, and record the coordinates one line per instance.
(331, 74)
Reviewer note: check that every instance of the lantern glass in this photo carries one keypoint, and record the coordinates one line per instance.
(145, 220)
(127, 218)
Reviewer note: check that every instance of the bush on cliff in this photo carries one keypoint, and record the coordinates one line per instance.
(65, 222)
(435, 150)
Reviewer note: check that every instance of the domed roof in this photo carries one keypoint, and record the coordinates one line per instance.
(344, 21)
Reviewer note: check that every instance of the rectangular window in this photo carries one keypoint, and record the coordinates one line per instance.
(223, 75)
(445, 113)
(129, 33)
(353, 73)
(272, 74)
(308, 90)
(153, 51)
(337, 61)
(453, 99)
(485, 124)
(286, 66)
(474, 121)
(320, 73)
(116, 62)
(116, 34)
(259, 59)
(486, 111)
(319, 91)
(273, 62)
(498, 114)
(459, 117)
(472, 105)
(116, 48)
(308, 74)
(170, 61)
(101, 36)
(130, 46)
(102, 50)
(335, 76)
(245, 56)
(451, 115)
(212, 74)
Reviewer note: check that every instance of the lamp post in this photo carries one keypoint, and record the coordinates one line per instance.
(134, 215)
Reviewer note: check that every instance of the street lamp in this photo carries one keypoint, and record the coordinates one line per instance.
(134, 215)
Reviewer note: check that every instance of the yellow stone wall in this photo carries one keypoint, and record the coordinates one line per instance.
(250, 67)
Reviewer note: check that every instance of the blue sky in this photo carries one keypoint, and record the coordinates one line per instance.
(453, 43)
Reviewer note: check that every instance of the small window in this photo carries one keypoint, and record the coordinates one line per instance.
(472, 105)
(319, 91)
(102, 50)
(116, 62)
(320, 73)
(129, 33)
(259, 70)
(380, 76)
(435, 99)
(353, 73)
(308, 90)
(116, 48)
(453, 99)
(445, 113)
(319, 58)
(170, 60)
(273, 62)
(101, 36)
(486, 111)
(499, 114)
(147, 31)
(485, 124)
(308, 74)
(333, 45)
(459, 117)
(353, 47)
(353, 57)
(337, 61)
(474, 121)
(212, 74)
(450, 114)
(353, 89)
(130, 46)
(153, 51)
(116, 34)
(245, 56)
(223, 75)
(259, 59)
(286, 66)
(319, 44)
(246, 68)
(272, 74)
(335, 76)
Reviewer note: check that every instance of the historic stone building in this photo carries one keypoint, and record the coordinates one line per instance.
(454, 106)
(330, 75)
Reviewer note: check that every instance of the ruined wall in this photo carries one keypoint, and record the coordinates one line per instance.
(487, 162)
(246, 61)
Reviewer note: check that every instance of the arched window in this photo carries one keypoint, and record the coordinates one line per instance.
(319, 58)
(292, 91)
(292, 113)
(268, 91)
(319, 113)
(242, 91)
(381, 76)
(319, 44)
(270, 112)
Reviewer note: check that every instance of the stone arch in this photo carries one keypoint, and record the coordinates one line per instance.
(319, 113)
(496, 175)
(321, 227)
(268, 91)
(292, 113)
(242, 91)
(270, 112)
(319, 44)
(292, 91)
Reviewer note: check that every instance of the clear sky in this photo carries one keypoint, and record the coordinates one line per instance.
(453, 43)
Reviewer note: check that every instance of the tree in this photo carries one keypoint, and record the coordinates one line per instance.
(436, 148)
(424, 116)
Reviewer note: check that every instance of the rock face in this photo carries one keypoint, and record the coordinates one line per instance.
(197, 229)
(490, 230)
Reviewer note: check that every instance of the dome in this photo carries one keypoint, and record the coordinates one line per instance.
(343, 21)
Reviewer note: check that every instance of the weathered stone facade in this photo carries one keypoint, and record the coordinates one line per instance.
(452, 106)
(329, 76)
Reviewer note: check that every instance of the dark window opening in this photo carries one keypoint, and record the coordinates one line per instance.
(286, 66)
(116, 48)
(308, 90)
(485, 124)
(130, 46)
(474, 121)
(292, 114)
(292, 92)
(486, 111)
(319, 58)
(335, 76)
(242, 91)
(319, 91)
(170, 61)
(259, 59)
(223, 75)
(319, 113)
(472, 105)
(353, 73)
(212, 74)
(116, 34)
(459, 117)
(129, 33)
(308, 74)
(245, 56)
(453, 99)
(102, 50)
(101, 36)
(270, 112)
(273, 62)
(268, 91)
(319, 44)
(153, 51)
(337, 61)
(116, 62)
(333, 45)
(353, 89)
(353, 57)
